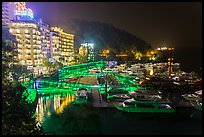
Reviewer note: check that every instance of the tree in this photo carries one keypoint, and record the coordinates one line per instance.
(58, 65)
(9, 54)
(21, 70)
(138, 55)
(47, 64)
(14, 120)
(153, 55)
(83, 58)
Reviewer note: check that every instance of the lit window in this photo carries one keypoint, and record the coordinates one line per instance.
(11, 30)
(18, 31)
(26, 31)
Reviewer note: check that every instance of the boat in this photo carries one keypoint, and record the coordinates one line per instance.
(197, 105)
(146, 96)
(147, 89)
(197, 96)
(122, 97)
(81, 96)
(117, 91)
(132, 105)
(195, 99)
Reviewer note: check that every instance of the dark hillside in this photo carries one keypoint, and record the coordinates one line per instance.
(105, 36)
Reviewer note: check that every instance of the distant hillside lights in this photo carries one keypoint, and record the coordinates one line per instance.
(164, 48)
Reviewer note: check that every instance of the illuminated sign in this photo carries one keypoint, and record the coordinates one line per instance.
(29, 67)
(30, 11)
(88, 44)
(21, 3)
(111, 63)
(21, 10)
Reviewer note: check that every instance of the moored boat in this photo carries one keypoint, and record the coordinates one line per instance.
(81, 96)
(132, 105)
(197, 105)
(147, 96)
(122, 97)
(195, 99)
(197, 96)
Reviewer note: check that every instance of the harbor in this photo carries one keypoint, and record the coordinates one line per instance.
(111, 86)
(118, 98)
(101, 68)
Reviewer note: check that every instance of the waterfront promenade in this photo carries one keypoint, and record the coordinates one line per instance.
(96, 97)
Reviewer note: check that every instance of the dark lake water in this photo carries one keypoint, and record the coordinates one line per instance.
(58, 115)
(184, 122)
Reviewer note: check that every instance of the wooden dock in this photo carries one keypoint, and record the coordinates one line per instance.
(97, 100)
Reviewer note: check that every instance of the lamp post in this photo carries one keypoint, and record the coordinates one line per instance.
(106, 90)
(106, 87)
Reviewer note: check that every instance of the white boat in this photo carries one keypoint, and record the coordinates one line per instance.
(197, 96)
(132, 105)
(197, 105)
(199, 92)
(81, 96)
(146, 92)
(195, 99)
(122, 97)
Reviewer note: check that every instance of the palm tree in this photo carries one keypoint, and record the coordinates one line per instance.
(138, 55)
(58, 65)
(83, 58)
(47, 64)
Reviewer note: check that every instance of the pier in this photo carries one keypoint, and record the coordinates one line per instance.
(97, 100)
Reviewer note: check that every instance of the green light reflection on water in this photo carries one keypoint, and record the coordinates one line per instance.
(53, 86)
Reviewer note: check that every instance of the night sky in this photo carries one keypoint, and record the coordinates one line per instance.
(177, 24)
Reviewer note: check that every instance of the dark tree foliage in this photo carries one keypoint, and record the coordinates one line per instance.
(17, 117)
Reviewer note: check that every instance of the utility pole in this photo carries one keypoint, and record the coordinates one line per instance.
(106, 87)
(106, 90)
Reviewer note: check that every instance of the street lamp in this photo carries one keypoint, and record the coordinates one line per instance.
(106, 90)
(106, 87)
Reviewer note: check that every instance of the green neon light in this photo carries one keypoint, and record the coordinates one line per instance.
(29, 95)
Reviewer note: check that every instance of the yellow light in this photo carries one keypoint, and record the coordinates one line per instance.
(10, 30)
(18, 31)
(151, 72)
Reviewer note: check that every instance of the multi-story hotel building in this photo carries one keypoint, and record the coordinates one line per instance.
(45, 37)
(54, 46)
(7, 12)
(21, 24)
(62, 46)
(29, 41)
(35, 39)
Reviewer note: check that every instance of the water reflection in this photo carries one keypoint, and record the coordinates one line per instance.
(52, 103)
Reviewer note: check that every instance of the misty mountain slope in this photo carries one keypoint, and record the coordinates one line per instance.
(104, 36)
